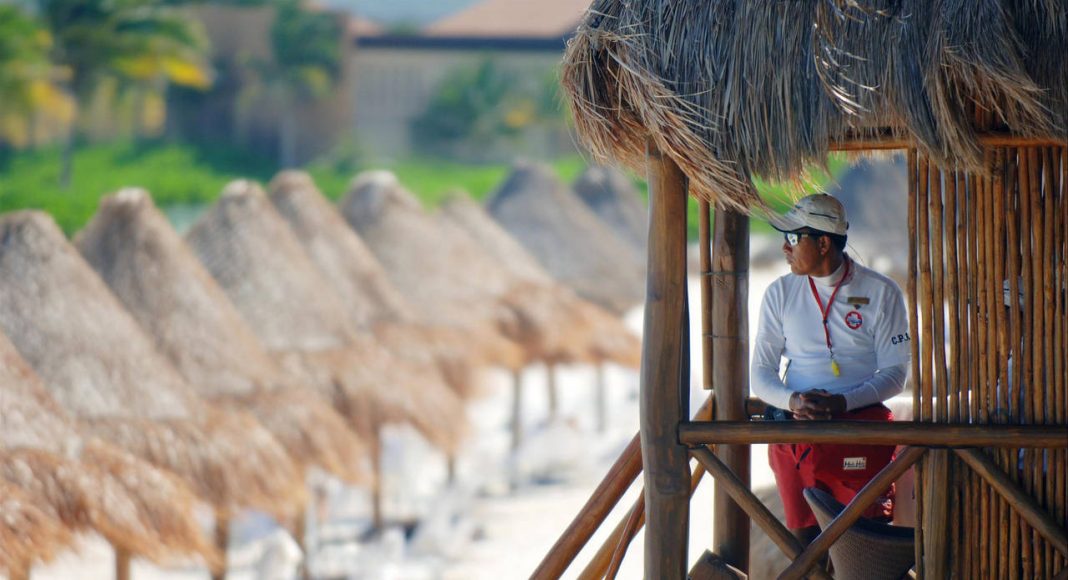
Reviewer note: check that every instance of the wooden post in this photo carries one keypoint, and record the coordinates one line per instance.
(300, 536)
(936, 515)
(222, 540)
(517, 408)
(122, 564)
(664, 360)
(705, 247)
(730, 373)
(376, 488)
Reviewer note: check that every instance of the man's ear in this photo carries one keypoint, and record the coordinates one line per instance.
(825, 244)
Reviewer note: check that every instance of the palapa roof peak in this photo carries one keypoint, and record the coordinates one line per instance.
(259, 262)
(340, 254)
(572, 243)
(734, 89)
(138, 254)
(98, 364)
(612, 196)
(444, 274)
(373, 303)
(564, 326)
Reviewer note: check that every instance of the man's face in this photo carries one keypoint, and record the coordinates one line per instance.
(805, 256)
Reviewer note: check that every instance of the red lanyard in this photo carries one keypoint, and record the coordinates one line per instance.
(826, 312)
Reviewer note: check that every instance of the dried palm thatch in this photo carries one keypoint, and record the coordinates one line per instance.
(84, 483)
(98, 364)
(732, 89)
(260, 264)
(594, 332)
(569, 240)
(374, 305)
(613, 197)
(160, 282)
(26, 533)
(447, 279)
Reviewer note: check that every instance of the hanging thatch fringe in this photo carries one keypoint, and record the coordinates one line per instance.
(26, 533)
(732, 89)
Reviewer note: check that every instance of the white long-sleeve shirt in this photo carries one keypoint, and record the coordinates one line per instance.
(869, 334)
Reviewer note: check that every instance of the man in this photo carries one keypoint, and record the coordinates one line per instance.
(843, 331)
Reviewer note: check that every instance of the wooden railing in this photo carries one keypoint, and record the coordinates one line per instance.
(701, 433)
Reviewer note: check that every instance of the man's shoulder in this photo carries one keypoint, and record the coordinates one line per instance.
(876, 280)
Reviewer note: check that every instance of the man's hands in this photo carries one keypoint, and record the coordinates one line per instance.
(816, 405)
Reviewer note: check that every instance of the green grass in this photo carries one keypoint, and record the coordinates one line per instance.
(186, 175)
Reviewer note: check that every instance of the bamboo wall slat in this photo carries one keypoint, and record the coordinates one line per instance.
(976, 239)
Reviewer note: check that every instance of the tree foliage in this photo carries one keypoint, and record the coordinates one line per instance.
(26, 76)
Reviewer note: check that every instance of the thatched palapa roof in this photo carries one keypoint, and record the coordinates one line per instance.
(260, 264)
(566, 323)
(374, 305)
(569, 240)
(614, 198)
(151, 271)
(99, 365)
(447, 279)
(84, 483)
(732, 89)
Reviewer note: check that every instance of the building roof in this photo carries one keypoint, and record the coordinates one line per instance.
(512, 18)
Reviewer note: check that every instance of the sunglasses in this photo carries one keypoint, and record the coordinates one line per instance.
(794, 238)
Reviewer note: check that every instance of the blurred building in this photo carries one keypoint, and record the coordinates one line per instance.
(235, 110)
(398, 72)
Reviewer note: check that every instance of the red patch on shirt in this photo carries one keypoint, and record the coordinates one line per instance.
(853, 319)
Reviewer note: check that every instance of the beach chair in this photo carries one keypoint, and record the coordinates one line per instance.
(868, 550)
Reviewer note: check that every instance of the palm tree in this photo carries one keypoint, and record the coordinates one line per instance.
(26, 76)
(306, 66)
(133, 42)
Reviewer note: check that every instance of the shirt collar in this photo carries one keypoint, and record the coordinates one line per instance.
(833, 277)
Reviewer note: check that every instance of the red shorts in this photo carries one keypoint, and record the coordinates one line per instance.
(841, 470)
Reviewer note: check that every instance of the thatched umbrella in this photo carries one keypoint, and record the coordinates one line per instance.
(593, 334)
(569, 240)
(26, 533)
(374, 305)
(260, 264)
(98, 364)
(448, 280)
(85, 483)
(612, 196)
(154, 274)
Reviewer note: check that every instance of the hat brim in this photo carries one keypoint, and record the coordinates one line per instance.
(786, 222)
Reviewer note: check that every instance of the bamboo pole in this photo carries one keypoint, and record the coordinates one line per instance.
(1060, 461)
(990, 292)
(873, 433)
(1002, 381)
(925, 295)
(1012, 249)
(752, 505)
(667, 472)
(705, 249)
(1050, 171)
(953, 233)
(1023, 503)
(974, 379)
(872, 490)
(595, 569)
(1037, 329)
(730, 373)
(1028, 184)
(615, 483)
